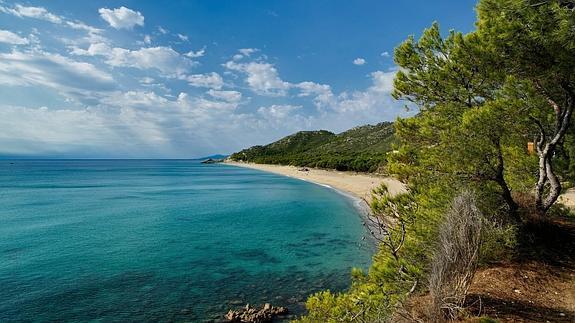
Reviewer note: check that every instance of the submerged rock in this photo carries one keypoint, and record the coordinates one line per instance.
(253, 315)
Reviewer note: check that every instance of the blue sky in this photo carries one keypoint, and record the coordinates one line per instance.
(182, 79)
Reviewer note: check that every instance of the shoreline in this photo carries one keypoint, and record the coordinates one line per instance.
(358, 195)
(355, 186)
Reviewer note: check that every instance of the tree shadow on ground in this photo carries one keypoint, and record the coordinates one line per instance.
(538, 285)
(516, 311)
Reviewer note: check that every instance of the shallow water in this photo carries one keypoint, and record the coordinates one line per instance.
(166, 240)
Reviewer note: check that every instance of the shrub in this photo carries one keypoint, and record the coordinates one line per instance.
(455, 260)
(498, 241)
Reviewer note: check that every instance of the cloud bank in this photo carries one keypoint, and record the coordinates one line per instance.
(87, 91)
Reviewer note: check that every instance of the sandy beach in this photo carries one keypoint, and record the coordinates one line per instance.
(358, 185)
(568, 198)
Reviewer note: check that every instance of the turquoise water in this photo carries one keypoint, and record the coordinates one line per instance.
(159, 240)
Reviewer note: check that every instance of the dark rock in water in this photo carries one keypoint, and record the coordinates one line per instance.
(212, 161)
(252, 315)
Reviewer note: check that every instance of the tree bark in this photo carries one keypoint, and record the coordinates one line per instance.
(500, 180)
(546, 150)
(540, 186)
(555, 184)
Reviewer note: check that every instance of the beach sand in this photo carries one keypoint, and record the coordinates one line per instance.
(358, 185)
(568, 198)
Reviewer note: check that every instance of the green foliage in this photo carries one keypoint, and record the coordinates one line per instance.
(566, 158)
(361, 149)
(374, 295)
(560, 211)
(499, 241)
(535, 43)
(470, 129)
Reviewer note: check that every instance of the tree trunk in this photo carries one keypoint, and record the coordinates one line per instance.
(539, 188)
(555, 184)
(500, 180)
(546, 150)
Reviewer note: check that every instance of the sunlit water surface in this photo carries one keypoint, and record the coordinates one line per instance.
(166, 240)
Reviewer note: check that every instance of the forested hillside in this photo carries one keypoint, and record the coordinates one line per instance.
(359, 149)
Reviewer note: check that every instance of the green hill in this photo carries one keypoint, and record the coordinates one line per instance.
(359, 149)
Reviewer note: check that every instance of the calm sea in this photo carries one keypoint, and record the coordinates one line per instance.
(166, 240)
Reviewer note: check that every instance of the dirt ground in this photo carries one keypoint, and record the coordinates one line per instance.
(537, 286)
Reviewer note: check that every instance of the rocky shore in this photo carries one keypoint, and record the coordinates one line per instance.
(253, 315)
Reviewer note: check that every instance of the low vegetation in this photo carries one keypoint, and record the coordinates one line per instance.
(482, 98)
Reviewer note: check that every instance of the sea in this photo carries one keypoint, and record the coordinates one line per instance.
(167, 240)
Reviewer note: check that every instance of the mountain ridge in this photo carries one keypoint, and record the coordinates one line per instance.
(363, 148)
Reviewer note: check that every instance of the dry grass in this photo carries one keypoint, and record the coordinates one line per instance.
(455, 260)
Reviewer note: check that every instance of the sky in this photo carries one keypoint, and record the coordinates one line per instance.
(190, 78)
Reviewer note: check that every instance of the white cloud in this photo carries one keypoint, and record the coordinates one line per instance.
(82, 26)
(199, 53)
(123, 131)
(383, 81)
(229, 96)
(261, 77)
(32, 12)
(94, 34)
(54, 71)
(385, 54)
(183, 37)
(147, 80)
(359, 61)
(210, 80)
(277, 111)
(337, 112)
(373, 98)
(201, 103)
(126, 124)
(146, 117)
(35, 131)
(122, 18)
(247, 51)
(162, 30)
(163, 59)
(135, 99)
(93, 50)
(322, 93)
(309, 88)
(9, 37)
